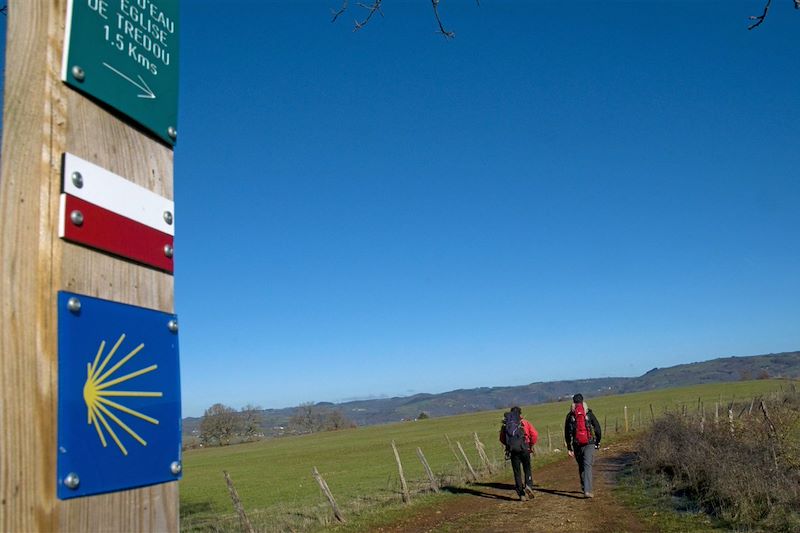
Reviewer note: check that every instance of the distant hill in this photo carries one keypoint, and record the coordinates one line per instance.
(383, 410)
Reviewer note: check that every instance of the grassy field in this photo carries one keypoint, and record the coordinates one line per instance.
(273, 477)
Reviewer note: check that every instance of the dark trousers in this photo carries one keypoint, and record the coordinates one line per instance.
(521, 462)
(584, 455)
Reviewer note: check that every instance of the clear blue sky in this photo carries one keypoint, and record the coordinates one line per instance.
(566, 190)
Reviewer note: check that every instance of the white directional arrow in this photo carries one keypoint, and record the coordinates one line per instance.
(148, 93)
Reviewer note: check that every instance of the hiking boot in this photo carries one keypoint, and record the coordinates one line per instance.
(529, 491)
(523, 498)
(588, 495)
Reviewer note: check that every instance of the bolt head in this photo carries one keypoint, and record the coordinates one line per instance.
(74, 305)
(71, 481)
(172, 325)
(78, 73)
(172, 132)
(168, 217)
(77, 179)
(175, 467)
(168, 250)
(76, 217)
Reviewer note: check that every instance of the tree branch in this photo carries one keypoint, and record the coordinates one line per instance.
(760, 18)
(341, 10)
(374, 8)
(447, 34)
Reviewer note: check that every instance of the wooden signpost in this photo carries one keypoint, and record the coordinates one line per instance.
(47, 115)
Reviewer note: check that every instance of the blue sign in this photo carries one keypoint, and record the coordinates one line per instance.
(119, 410)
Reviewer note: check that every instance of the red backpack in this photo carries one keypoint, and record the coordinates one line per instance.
(581, 429)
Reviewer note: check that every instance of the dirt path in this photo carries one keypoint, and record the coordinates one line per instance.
(559, 505)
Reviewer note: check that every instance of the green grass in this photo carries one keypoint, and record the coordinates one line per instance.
(656, 508)
(274, 481)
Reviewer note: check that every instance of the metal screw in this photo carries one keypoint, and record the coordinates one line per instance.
(73, 304)
(172, 325)
(168, 217)
(172, 132)
(77, 179)
(175, 467)
(76, 217)
(72, 481)
(168, 251)
(78, 73)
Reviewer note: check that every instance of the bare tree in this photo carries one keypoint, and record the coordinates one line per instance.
(306, 418)
(335, 420)
(310, 418)
(219, 425)
(250, 422)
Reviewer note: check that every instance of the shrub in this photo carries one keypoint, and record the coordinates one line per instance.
(746, 472)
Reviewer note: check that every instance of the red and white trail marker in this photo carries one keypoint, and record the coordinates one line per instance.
(102, 210)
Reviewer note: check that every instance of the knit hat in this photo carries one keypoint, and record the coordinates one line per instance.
(578, 398)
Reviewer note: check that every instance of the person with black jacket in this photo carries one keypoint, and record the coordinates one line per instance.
(582, 435)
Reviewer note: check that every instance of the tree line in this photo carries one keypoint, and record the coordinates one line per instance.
(222, 425)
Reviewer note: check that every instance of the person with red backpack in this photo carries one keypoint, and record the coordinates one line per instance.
(582, 435)
(519, 436)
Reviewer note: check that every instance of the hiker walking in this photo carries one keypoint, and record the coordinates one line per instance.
(518, 436)
(582, 435)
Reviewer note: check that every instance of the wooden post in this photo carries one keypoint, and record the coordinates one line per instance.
(730, 420)
(716, 413)
(652, 415)
(772, 434)
(427, 467)
(324, 486)
(549, 440)
(453, 449)
(616, 425)
(626, 418)
(482, 454)
(247, 527)
(42, 119)
(406, 495)
(466, 460)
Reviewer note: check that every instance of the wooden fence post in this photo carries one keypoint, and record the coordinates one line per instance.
(652, 415)
(466, 460)
(406, 495)
(549, 440)
(43, 119)
(431, 477)
(482, 454)
(772, 434)
(324, 486)
(626, 418)
(244, 522)
(452, 449)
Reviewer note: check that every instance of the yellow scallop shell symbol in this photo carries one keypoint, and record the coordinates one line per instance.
(96, 393)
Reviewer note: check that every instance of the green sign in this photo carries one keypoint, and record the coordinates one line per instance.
(124, 53)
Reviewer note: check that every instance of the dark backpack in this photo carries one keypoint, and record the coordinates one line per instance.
(582, 434)
(515, 433)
